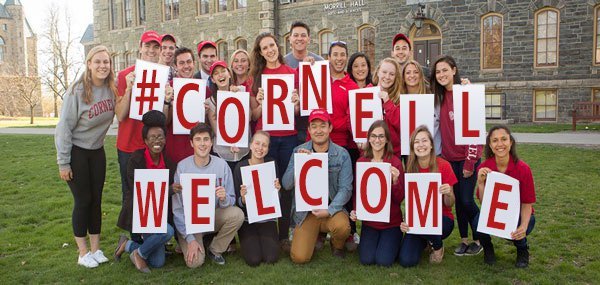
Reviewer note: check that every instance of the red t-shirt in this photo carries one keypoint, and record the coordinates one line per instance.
(129, 136)
(177, 147)
(282, 69)
(397, 197)
(520, 171)
(448, 177)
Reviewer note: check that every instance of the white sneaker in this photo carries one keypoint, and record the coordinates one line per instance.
(87, 261)
(356, 238)
(99, 257)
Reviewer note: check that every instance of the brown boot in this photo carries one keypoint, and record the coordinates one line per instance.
(139, 262)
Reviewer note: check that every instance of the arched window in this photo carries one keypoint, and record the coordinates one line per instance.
(366, 42)
(597, 35)
(325, 39)
(221, 5)
(491, 41)
(286, 44)
(222, 49)
(546, 37)
(2, 45)
(128, 13)
(241, 43)
(171, 10)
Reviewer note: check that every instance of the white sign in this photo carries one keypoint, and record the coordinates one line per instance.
(188, 104)
(365, 108)
(373, 193)
(423, 203)
(500, 206)
(469, 114)
(311, 194)
(262, 199)
(150, 201)
(198, 195)
(233, 117)
(148, 91)
(415, 110)
(315, 87)
(277, 107)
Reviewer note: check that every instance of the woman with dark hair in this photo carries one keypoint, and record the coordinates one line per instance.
(359, 69)
(501, 156)
(267, 59)
(387, 77)
(380, 242)
(152, 250)
(463, 158)
(422, 159)
(87, 112)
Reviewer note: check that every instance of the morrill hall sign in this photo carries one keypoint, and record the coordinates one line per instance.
(344, 7)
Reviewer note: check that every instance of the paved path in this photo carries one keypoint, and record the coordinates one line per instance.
(572, 138)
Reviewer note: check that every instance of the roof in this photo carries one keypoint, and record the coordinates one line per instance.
(88, 35)
(4, 13)
(13, 2)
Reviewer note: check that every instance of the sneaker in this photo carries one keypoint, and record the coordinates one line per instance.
(461, 249)
(99, 257)
(473, 249)
(436, 256)
(339, 253)
(139, 262)
(87, 261)
(320, 242)
(217, 258)
(356, 238)
(350, 244)
(489, 256)
(522, 258)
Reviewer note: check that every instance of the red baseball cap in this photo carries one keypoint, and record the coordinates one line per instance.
(401, 37)
(217, 63)
(203, 44)
(167, 37)
(320, 114)
(150, 36)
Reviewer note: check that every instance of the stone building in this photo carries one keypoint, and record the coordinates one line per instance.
(18, 61)
(536, 57)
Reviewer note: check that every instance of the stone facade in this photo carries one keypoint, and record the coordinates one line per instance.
(459, 22)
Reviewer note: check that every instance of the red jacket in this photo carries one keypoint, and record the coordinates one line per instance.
(129, 136)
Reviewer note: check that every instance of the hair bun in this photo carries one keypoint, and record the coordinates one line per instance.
(154, 118)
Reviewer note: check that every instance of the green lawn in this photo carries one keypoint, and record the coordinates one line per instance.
(23, 122)
(551, 127)
(36, 208)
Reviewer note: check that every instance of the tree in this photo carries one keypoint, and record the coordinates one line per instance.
(63, 64)
(27, 88)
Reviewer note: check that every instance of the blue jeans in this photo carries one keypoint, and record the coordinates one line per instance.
(466, 209)
(153, 248)
(379, 246)
(519, 244)
(413, 245)
(281, 149)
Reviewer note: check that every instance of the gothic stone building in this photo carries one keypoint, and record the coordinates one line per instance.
(536, 57)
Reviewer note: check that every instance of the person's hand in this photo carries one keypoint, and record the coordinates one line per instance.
(404, 227)
(176, 188)
(467, 173)
(309, 59)
(353, 215)
(519, 234)
(234, 88)
(362, 146)
(234, 149)
(482, 175)
(303, 150)
(168, 94)
(384, 96)
(260, 95)
(445, 189)
(321, 213)
(221, 193)
(465, 81)
(277, 184)
(295, 97)
(194, 249)
(395, 174)
(66, 174)
(129, 79)
(243, 192)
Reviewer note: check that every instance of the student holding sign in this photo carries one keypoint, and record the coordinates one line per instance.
(87, 112)
(501, 156)
(334, 219)
(267, 59)
(387, 77)
(422, 159)
(151, 251)
(463, 158)
(380, 242)
(359, 70)
(259, 241)
(228, 217)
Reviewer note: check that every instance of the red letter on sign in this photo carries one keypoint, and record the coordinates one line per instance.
(308, 76)
(413, 193)
(360, 114)
(412, 114)
(157, 207)
(309, 200)
(279, 101)
(196, 183)
(262, 210)
(383, 190)
(241, 123)
(497, 205)
(465, 114)
(182, 92)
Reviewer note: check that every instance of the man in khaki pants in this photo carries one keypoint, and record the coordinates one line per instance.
(228, 217)
(333, 220)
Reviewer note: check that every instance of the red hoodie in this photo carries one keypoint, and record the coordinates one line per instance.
(391, 116)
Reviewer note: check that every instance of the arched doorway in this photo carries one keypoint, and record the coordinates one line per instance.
(427, 42)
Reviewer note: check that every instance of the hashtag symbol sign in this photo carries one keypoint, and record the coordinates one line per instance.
(152, 85)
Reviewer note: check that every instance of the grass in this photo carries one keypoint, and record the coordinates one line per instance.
(36, 208)
(551, 127)
(23, 122)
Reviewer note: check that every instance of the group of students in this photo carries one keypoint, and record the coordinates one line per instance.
(93, 100)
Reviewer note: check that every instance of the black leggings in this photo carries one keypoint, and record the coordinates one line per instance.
(89, 172)
(259, 242)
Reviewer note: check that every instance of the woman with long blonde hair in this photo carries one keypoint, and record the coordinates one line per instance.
(387, 77)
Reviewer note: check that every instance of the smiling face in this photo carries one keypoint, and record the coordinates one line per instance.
(99, 66)
(202, 144)
(422, 145)
(259, 146)
(240, 64)
(269, 50)
(150, 51)
(299, 38)
(155, 140)
(167, 50)
(412, 76)
(387, 75)
(360, 69)
(444, 74)
(500, 143)
(220, 77)
(184, 63)
(401, 51)
(208, 55)
(338, 59)
(319, 131)
(377, 139)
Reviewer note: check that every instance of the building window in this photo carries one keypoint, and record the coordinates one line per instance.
(546, 38)
(171, 9)
(366, 44)
(491, 42)
(221, 5)
(325, 39)
(115, 61)
(286, 44)
(241, 44)
(4, 27)
(2, 45)
(113, 14)
(494, 105)
(597, 35)
(240, 4)
(141, 12)
(128, 13)
(596, 98)
(545, 105)
(222, 50)
(203, 7)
